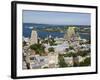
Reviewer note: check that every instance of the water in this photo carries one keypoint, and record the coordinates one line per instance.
(43, 34)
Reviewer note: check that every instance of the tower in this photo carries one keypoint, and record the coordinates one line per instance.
(70, 33)
(33, 38)
(72, 36)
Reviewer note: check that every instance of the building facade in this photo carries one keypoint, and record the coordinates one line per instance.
(33, 38)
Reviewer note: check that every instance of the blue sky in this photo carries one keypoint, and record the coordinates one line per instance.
(59, 18)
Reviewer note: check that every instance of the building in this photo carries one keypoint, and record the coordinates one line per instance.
(59, 40)
(37, 61)
(71, 34)
(69, 61)
(33, 38)
(53, 60)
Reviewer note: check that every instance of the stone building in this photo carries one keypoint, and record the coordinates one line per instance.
(33, 38)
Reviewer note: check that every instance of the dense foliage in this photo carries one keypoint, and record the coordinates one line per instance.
(86, 62)
(38, 48)
(61, 61)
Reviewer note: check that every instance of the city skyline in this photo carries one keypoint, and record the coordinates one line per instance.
(59, 18)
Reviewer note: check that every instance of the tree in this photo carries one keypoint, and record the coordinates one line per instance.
(88, 42)
(51, 49)
(70, 54)
(86, 62)
(82, 53)
(45, 67)
(45, 41)
(71, 48)
(38, 48)
(24, 43)
(61, 61)
(52, 41)
(75, 58)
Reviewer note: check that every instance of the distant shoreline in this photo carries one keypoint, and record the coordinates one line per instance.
(56, 24)
(45, 30)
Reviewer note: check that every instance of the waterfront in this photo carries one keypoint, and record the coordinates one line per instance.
(27, 29)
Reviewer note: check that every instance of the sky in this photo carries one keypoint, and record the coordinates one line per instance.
(56, 18)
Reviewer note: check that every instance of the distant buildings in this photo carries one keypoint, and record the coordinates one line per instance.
(33, 38)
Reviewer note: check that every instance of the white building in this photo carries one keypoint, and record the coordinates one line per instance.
(69, 61)
(59, 40)
(50, 61)
(53, 60)
(58, 48)
(37, 61)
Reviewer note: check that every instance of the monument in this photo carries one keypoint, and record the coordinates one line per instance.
(33, 38)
